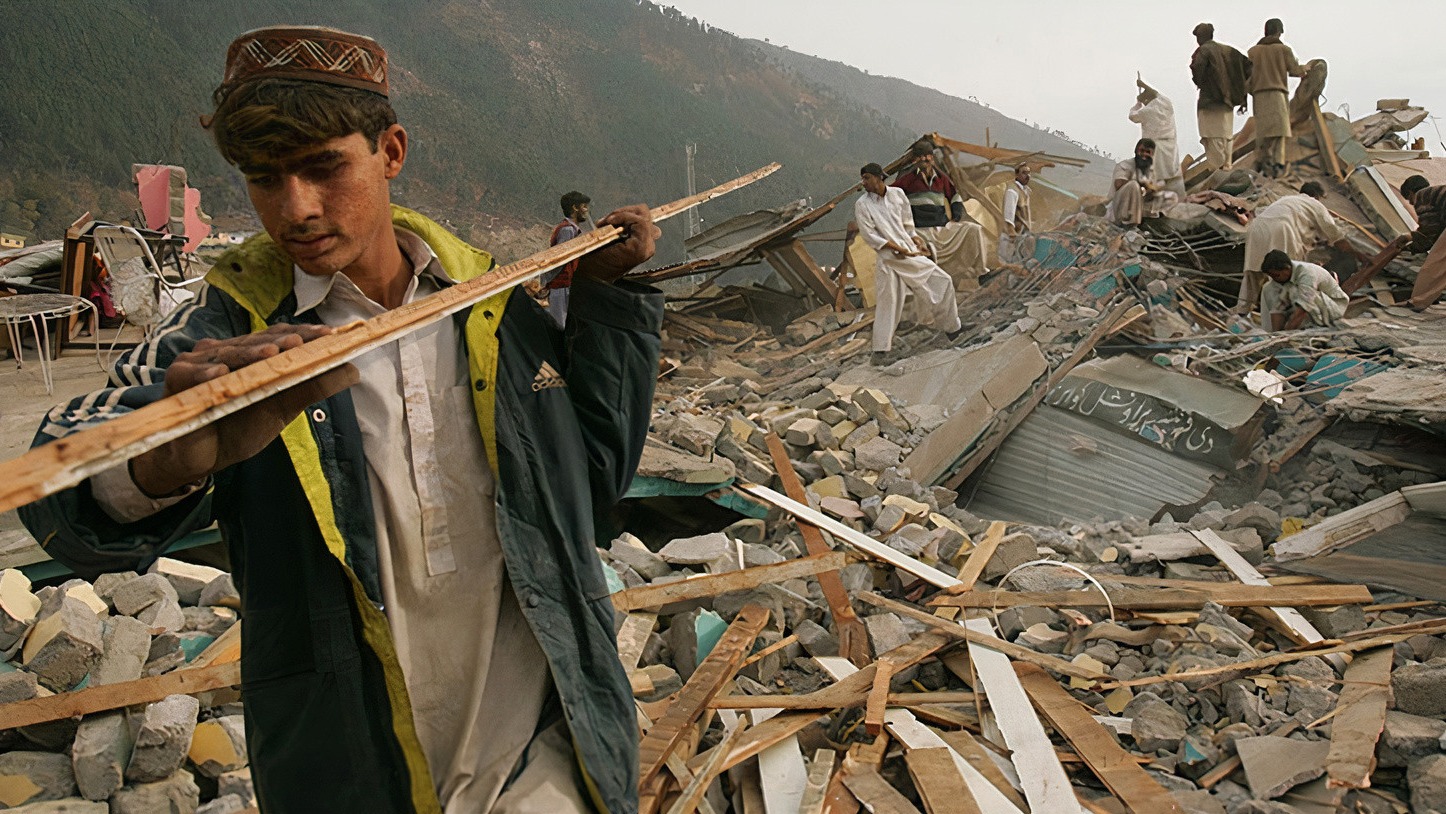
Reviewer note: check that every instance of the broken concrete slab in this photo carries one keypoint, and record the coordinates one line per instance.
(1274, 765)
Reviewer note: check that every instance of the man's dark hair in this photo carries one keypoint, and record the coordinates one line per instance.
(1145, 142)
(1414, 184)
(571, 200)
(1274, 27)
(921, 148)
(1275, 260)
(873, 168)
(268, 118)
(1313, 189)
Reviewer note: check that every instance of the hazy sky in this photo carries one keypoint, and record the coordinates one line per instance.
(1070, 64)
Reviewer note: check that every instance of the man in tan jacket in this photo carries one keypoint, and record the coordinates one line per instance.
(1272, 62)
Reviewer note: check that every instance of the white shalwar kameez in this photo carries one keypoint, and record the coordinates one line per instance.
(886, 218)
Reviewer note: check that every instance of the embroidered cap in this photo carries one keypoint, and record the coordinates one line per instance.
(309, 53)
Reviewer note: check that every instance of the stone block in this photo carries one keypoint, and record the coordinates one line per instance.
(694, 433)
(831, 486)
(32, 777)
(127, 645)
(1427, 780)
(1408, 737)
(911, 539)
(877, 454)
(1013, 551)
(1274, 765)
(133, 596)
(889, 519)
(100, 753)
(886, 632)
(221, 592)
(212, 620)
(82, 590)
(164, 615)
(714, 550)
(189, 579)
(878, 405)
(864, 434)
(749, 530)
(18, 609)
(17, 685)
(64, 646)
(163, 738)
(1336, 622)
(816, 639)
(631, 552)
(219, 745)
(1154, 724)
(237, 783)
(1420, 689)
(810, 432)
(175, 794)
(106, 584)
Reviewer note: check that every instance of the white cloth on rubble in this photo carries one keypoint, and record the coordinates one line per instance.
(1312, 289)
(885, 219)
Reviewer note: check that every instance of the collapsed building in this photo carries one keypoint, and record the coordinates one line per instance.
(1113, 549)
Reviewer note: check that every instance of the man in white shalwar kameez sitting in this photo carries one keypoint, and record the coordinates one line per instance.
(1306, 286)
(886, 224)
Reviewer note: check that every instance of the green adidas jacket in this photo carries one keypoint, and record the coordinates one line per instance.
(329, 728)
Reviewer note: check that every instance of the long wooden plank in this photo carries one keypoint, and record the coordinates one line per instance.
(68, 461)
(907, 730)
(853, 639)
(186, 681)
(940, 784)
(1360, 719)
(856, 539)
(1046, 786)
(656, 596)
(1345, 528)
(979, 557)
(1228, 594)
(986, 639)
(705, 683)
(1115, 767)
(989, 444)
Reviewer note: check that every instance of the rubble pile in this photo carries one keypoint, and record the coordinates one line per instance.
(131, 754)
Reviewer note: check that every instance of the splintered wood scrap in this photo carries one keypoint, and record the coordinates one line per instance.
(853, 637)
(1360, 720)
(976, 755)
(958, 631)
(66, 462)
(1158, 599)
(706, 682)
(633, 637)
(1115, 767)
(186, 681)
(939, 782)
(878, 697)
(701, 587)
(874, 792)
(820, 771)
(698, 786)
(979, 558)
(760, 737)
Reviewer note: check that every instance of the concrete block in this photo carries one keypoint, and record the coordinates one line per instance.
(713, 550)
(694, 433)
(100, 753)
(221, 591)
(219, 745)
(17, 685)
(864, 434)
(163, 739)
(212, 620)
(32, 777)
(1420, 689)
(63, 647)
(239, 784)
(816, 639)
(886, 632)
(877, 454)
(1408, 737)
(810, 432)
(175, 794)
(133, 596)
(1154, 724)
(106, 584)
(631, 552)
(878, 405)
(164, 615)
(18, 609)
(1014, 550)
(189, 579)
(1427, 780)
(127, 645)
(1336, 622)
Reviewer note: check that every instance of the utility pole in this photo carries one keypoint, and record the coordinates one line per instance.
(695, 223)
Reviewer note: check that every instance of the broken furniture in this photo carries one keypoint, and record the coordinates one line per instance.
(142, 290)
(34, 310)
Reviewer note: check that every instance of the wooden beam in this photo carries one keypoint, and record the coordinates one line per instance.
(656, 596)
(66, 462)
(878, 699)
(186, 681)
(988, 445)
(705, 683)
(939, 782)
(853, 639)
(1360, 719)
(1115, 767)
(1326, 145)
(633, 637)
(1345, 528)
(958, 631)
(979, 557)
(1227, 594)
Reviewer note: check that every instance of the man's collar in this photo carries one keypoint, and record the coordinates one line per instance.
(312, 290)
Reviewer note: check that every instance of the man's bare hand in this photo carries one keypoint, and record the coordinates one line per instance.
(634, 248)
(170, 467)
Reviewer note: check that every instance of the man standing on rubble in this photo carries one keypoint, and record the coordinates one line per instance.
(1016, 214)
(1293, 224)
(956, 244)
(1306, 286)
(886, 224)
(426, 624)
(1139, 192)
(558, 283)
(1272, 62)
(1221, 73)
(1430, 205)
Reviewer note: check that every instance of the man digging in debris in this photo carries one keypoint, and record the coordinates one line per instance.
(426, 624)
(1430, 205)
(1139, 192)
(956, 244)
(1293, 224)
(887, 225)
(1306, 286)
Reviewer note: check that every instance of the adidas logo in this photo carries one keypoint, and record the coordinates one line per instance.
(546, 377)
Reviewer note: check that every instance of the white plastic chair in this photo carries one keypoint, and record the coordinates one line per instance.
(141, 289)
